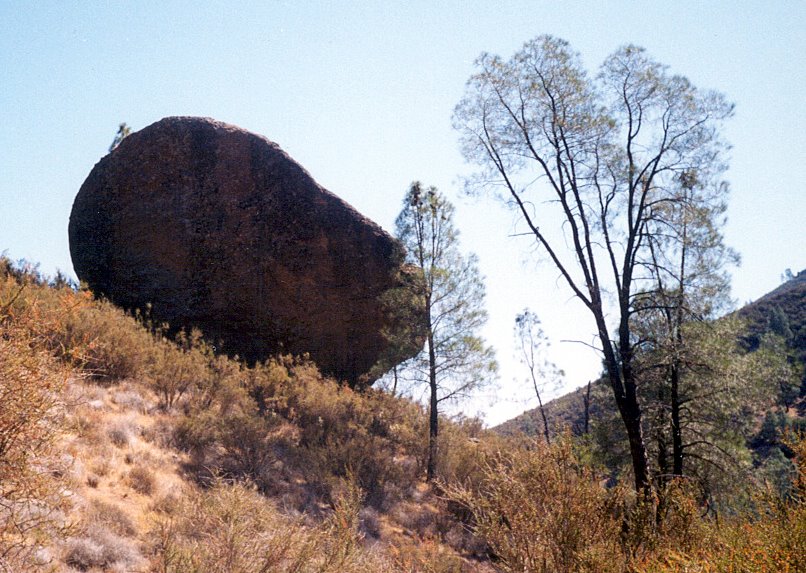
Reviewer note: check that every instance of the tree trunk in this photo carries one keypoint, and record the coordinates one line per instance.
(630, 411)
(622, 381)
(631, 415)
(677, 434)
(540, 404)
(545, 421)
(433, 421)
(394, 384)
(660, 436)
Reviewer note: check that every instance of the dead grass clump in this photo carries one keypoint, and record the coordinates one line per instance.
(100, 548)
(120, 434)
(131, 400)
(167, 504)
(427, 554)
(87, 424)
(103, 461)
(111, 517)
(142, 480)
(160, 432)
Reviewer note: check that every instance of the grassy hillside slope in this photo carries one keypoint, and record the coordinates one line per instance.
(123, 450)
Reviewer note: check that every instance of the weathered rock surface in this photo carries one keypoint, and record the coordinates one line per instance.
(218, 228)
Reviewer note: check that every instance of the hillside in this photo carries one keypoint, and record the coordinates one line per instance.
(124, 450)
(783, 309)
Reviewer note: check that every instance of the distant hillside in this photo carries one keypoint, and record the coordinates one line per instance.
(567, 411)
(783, 309)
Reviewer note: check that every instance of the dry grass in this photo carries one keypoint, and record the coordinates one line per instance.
(172, 453)
(231, 527)
(142, 480)
(99, 548)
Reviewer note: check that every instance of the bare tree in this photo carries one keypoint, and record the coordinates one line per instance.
(593, 167)
(532, 343)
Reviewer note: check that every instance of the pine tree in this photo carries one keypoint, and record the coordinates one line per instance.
(455, 359)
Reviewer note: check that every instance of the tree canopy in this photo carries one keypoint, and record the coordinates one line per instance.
(455, 359)
(598, 169)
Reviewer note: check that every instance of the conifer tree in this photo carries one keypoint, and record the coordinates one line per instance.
(455, 360)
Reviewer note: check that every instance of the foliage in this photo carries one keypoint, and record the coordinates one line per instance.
(768, 537)
(177, 365)
(455, 360)
(281, 429)
(289, 414)
(601, 166)
(123, 132)
(720, 389)
(540, 510)
(33, 500)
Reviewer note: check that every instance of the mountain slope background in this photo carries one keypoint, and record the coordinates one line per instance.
(780, 314)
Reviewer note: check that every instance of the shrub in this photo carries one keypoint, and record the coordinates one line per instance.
(286, 411)
(221, 384)
(770, 536)
(141, 480)
(174, 369)
(32, 498)
(100, 548)
(341, 430)
(539, 510)
(104, 341)
(230, 527)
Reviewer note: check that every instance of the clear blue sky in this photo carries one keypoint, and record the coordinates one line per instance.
(361, 94)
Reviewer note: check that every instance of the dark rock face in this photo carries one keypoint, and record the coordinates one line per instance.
(218, 228)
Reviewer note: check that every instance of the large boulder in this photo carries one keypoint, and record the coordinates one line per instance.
(217, 228)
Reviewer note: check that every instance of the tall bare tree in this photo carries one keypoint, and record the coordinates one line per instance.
(532, 345)
(455, 360)
(593, 167)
